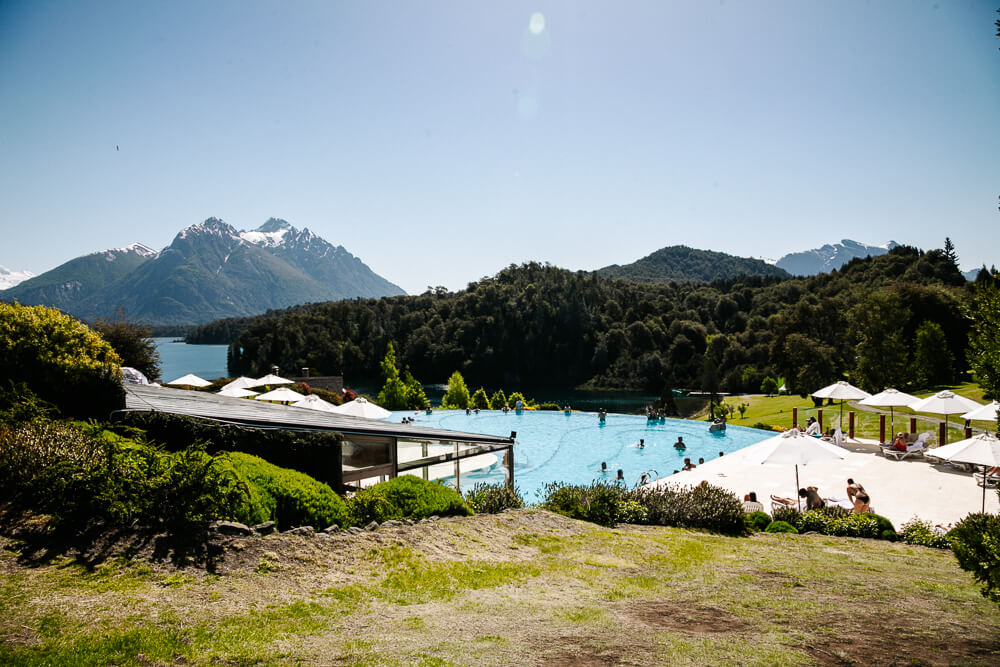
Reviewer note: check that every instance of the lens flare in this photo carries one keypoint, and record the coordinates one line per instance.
(537, 23)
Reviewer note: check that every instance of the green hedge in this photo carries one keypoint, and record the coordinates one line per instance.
(493, 498)
(288, 497)
(781, 527)
(406, 497)
(976, 543)
(758, 521)
(599, 502)
(704, 506)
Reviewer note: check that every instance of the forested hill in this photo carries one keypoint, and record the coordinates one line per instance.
(680, 263)
(894, 320)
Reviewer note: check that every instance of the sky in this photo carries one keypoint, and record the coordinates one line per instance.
(442, 141)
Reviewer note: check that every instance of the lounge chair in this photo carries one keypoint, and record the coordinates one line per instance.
(915, 449)
(990, 480)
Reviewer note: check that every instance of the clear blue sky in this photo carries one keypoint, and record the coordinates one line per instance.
(442, 141)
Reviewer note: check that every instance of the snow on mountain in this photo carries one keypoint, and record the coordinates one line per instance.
(134, 249)
(830, 256)
(10, 278)
(272, 233)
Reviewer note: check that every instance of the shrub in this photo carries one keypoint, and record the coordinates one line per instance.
(518, 396)
(922, 533)
(60, 359)
(480, 401)
(976, 543)
(631, 511)
(703, 506)
(758, 521)
(457, 395)
(884, 525)
(288, 497)
(132, 342)
(548, 406)
(369, 505)
(413, 498)
(888, 535)
(781, 527)
(598, 503)
(498, 400)
(854, 525)
(789, 515)
(493, 498)
(812, 521)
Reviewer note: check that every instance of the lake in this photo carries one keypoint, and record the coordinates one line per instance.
(177, 358)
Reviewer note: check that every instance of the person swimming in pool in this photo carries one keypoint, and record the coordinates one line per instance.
(641, 444)
(680, 443)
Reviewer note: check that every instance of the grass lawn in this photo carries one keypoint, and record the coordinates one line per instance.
(526, 587)
(777, 411)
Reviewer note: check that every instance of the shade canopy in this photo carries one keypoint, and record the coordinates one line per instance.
(314, 402)
(133, 376)
(841, 391)
(242, 382)
(980, 450)
(795, 447)
(270, 379)
(189, 380)
(281, 394)
(985, 413)
(945, 403)
(236, 392)
(889, 398)
(361, 407)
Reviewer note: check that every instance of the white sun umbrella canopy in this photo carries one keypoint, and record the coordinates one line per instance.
(945, 403)
(190, 380)
(236, 392)
(982, 450)
(890, 398)
(361, 407)
(314, 402)
(841, 391)
(242, 382)
(270, 379)
(986, 413)
(795, 447)
(280, 395)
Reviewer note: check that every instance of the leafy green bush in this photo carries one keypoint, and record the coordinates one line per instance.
(548, 406)
(922, 533)
(884, 525)
(758, 521)
(518, 396)
(789, 515)
(457, 395)
(79, 477)
(288, 497)
(480, 401)
(598, 503)
(631, 511)
(888, 535)
(60, 359)
(854, 525)
(493, 498)
(370, 504)
(410, 497)
(976, 543)
(812, 521)
(781, 527)
(703, 506)
(19, 404)
(498, 400)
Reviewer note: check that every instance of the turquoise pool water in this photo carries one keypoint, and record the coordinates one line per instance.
(555, 447)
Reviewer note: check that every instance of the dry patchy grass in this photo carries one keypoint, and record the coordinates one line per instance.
(526, 587)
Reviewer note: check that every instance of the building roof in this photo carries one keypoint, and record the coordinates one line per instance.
(245, 412)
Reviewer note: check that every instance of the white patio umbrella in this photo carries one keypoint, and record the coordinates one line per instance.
(270, 379)
(841, 391)
(361, 407)
(236, 392)
(890, 398)
(314, 402)
(281, 395)
(189, 380)
(982, 449)
(986, 413)
(945, 403)
(242, 382)
(795, 447)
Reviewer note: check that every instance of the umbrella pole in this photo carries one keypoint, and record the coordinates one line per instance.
(984, 489)
(841, 414)
(799, 499)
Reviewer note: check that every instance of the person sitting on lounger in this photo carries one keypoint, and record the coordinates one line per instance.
(810, 493)
(900, 442)
(812, 427)
(750, 503)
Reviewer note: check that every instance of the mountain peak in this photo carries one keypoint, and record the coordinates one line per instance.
(274, 225)
(829, 256)
(10, 278)
(271, 234)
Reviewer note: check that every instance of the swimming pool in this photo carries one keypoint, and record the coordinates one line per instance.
(555, 447)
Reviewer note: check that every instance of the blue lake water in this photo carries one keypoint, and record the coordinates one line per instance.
(178, 358)
(554, 447)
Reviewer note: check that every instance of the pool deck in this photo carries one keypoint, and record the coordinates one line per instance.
(899, 490)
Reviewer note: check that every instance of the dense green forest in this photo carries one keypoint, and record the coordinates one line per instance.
(895, 320)
(680, 262)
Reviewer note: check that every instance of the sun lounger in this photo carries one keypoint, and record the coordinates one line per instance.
(987, 480)
(915, 449)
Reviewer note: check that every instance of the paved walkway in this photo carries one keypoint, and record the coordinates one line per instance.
(899, 490)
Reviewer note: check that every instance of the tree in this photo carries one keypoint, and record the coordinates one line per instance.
(416, 398)
(932, 361)
(132, 342)
(479, 400)
(949, 252)
(877, 323)
(769, 385)
(457, 396)
(498, 400)
(60, 359)
(393, 395)
(984, 339)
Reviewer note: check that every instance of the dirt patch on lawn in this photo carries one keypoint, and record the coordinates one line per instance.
(682, 616)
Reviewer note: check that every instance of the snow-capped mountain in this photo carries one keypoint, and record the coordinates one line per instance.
(10, 278)
(210, 271)
(830, 257)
